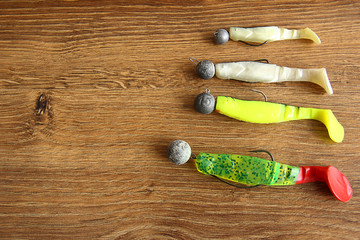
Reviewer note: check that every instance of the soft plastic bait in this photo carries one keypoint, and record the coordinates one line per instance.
(254, 171)
(257, 71)
(263, 35)
(267, 112)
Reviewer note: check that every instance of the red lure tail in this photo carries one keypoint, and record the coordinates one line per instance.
(336, 181)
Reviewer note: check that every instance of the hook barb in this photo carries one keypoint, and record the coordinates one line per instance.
(269, 153)
(264, 60)
(262, 93)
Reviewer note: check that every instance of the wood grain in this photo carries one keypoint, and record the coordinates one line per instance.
(92, 92)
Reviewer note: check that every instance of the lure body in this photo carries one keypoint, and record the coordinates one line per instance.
(246, 170)
(268, 73)
(254, 171)
(271, 33)
(267, 112)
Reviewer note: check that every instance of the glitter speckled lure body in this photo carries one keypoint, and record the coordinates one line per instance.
(253, 171)
(246, 169)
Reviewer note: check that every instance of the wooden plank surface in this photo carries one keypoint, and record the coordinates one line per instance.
(92, 92)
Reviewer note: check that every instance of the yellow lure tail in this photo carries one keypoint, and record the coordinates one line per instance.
(266, 112)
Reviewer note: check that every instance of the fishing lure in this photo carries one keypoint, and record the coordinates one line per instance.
(263, 35)
(254, 171)
(267, 112)
(261, 71)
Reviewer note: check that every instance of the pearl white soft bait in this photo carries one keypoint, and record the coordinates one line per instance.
(270, 34)
(269, 73)
(258, 71)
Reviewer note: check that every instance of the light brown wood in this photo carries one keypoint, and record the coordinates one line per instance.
(88, 160)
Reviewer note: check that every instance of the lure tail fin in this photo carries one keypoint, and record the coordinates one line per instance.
(320, 77)
(335, 129)
(307, 33)
(335, 180)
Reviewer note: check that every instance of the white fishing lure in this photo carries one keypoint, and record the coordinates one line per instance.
(270, 34)
(255, 71)
(264, 34)
(269, 73)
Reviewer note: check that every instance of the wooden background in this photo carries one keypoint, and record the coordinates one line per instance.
(92, 92)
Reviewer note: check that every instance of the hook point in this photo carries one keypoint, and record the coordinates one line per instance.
(262, 93)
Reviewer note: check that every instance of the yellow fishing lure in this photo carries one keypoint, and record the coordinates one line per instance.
(267, 112)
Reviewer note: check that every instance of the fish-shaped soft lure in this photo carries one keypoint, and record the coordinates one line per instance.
(267, 112)
(254, 171)
(264, 72)
(263, 34)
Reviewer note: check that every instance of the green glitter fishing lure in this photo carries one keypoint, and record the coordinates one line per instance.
(246, 170)
(254, 171)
